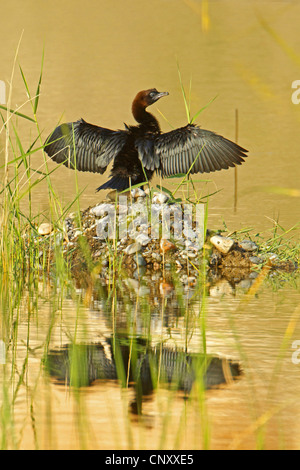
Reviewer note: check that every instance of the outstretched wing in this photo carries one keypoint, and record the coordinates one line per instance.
(188, 148)
(84, 146)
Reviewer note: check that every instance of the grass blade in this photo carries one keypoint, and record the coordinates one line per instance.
(187, 109)
(202, 109)
(36, 101)
(16, 113)
(25, 82)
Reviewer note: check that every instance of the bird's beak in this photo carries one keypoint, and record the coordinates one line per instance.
(161, 94)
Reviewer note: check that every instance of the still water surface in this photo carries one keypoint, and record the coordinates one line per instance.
(97, 56)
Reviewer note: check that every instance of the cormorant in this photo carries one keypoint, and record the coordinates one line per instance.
(138, 151)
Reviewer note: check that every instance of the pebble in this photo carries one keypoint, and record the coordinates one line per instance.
(137, 221)
(166, 245)
(189, 233)
(140, 260)
(215, 259)
(138, 192)
(133, 248)
(160, 198)
(223, 244)
(45, 228)
(178, 264)
(102, 209)
(191, 245)
(255, 260)
(191, 254)
(271, 255)
(248, 245)
(143, 239)
(273, 259)
(157, 257)
(102, 227)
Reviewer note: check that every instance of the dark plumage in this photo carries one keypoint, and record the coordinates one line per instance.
(141, 150)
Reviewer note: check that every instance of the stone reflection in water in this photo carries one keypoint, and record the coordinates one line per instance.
(134, 363)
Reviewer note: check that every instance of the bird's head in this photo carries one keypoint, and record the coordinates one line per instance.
(147, 97)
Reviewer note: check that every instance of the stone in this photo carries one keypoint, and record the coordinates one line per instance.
(222, 244)
(45, 229)
(102, 227)
(189, 233)
(143, 239)
(272, 258)
(215, 259)
(160, 198)
(191, 245)
(140, 260)
(138, 192)
(255, 260)
(157, 257)
(77, 233)
(191, 254)
(133, 248)
(166, 245)
(248, 245)
(101, 209)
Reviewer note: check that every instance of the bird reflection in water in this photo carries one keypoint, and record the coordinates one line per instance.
(134, 363)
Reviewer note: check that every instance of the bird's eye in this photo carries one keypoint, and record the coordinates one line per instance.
(151, 94)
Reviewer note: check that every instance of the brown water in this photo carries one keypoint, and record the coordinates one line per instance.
(97, 56)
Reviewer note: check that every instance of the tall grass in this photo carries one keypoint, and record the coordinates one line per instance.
(24, 256)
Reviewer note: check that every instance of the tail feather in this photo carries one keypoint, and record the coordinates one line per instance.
(116, 182)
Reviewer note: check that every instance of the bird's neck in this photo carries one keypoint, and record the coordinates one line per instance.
(144, 118)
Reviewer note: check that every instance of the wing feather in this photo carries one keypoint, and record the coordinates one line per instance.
(84, 146)
(176, 151)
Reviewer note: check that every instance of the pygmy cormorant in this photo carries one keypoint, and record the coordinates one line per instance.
(138, 151)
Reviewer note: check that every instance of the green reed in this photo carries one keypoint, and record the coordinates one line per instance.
(24, 255)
